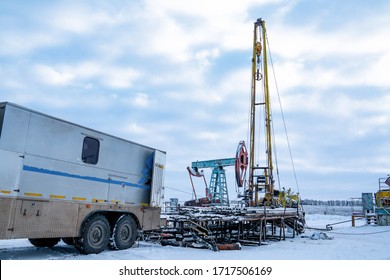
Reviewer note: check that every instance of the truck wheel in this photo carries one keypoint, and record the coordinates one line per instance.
(94, 236)
(44, 242)
(125, 233)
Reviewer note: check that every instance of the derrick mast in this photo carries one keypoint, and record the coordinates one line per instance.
(260, 176)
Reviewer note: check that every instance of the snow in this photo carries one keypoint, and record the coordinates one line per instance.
(344, 242)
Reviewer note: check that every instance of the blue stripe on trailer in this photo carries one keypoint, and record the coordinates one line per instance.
(87, 178)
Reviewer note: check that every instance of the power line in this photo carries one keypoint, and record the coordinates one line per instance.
(178, 190)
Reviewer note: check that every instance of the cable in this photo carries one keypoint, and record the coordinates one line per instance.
(378, 232)
(283, 119)
(177, 190)
(344, 233)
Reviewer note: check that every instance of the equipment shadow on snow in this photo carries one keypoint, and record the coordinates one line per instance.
(33, 253)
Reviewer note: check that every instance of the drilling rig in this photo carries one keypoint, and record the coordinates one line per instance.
(214, 225)
(259, 185)
(260, 189)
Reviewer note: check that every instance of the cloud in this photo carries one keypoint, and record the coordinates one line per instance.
(321, 54)
(50, 76)
(135, 128)
(200, 24)
(176, 75)
(366, 113)
(120, 77)
(141, 100)
(17, 42)
(204, 56)
(77, 18)
(87, 73)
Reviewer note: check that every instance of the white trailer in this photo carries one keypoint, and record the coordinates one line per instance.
(60, 180)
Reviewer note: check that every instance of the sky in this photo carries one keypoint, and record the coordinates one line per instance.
(175, 75)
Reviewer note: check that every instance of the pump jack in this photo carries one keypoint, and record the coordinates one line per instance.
(217, 191)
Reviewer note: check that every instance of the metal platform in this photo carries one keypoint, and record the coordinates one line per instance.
(216, 227)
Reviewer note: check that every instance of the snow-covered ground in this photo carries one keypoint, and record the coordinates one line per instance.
(363, 242)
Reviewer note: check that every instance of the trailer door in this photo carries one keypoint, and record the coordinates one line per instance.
(157, 191)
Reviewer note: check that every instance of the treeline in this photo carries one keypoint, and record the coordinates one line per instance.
(356, 202)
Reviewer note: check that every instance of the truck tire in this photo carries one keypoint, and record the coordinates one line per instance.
(44, 242)
(95, 235)
(124, 234)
